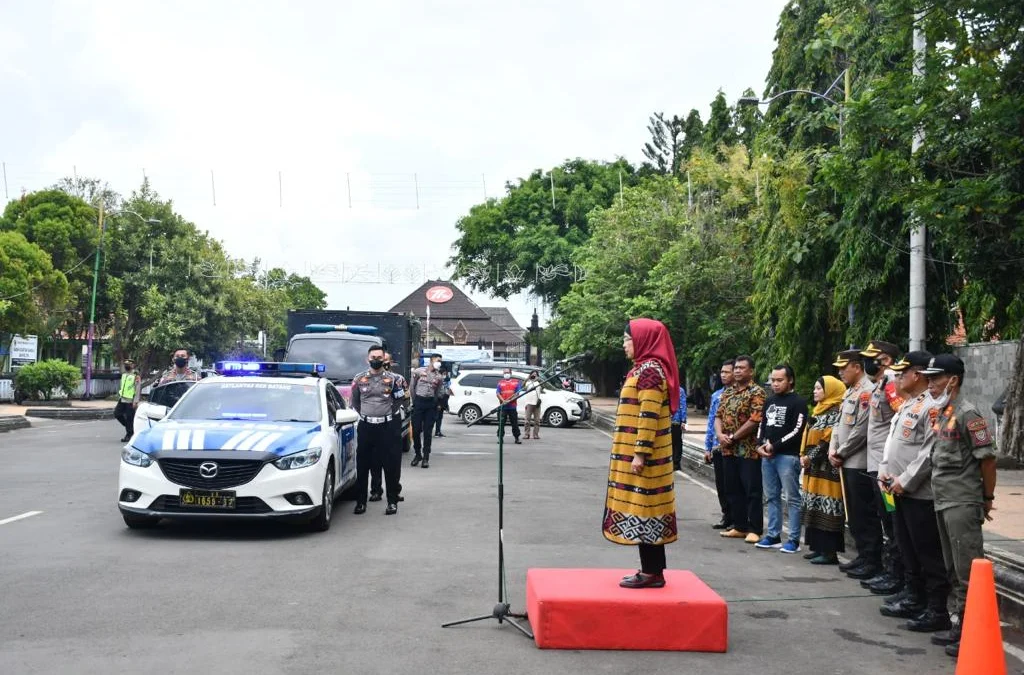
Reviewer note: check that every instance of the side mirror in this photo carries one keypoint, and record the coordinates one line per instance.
(346, 416)
(157, 412)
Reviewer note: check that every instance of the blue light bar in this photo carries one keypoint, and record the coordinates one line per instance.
(329, 328)
(268, 368)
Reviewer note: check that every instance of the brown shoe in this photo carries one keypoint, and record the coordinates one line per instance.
(733, 534)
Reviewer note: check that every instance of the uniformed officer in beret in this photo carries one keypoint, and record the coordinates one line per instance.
(375, 396)
(885, 401)
(905, 473)
(963, 479)
(848, 450)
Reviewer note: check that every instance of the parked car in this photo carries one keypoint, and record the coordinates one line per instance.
(473, 396)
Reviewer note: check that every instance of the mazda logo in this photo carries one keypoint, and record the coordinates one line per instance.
(208, 469)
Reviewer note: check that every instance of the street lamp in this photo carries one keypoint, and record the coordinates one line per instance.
(95, 279)
(753, 100)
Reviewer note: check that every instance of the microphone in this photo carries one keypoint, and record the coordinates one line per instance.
(583, 356)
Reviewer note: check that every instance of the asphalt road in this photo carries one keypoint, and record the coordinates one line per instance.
(80, 593)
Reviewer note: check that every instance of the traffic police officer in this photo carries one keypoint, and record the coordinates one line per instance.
(848, 449)
(905, 473)
(376, 489)
(885, 401)
(426, 390)
(375, 397)
(963, 479)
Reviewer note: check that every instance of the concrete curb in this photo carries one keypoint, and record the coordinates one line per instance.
(71, 413)
(1008, 568)
(12, 422)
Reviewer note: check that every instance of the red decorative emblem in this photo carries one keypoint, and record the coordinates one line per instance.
(439, 294)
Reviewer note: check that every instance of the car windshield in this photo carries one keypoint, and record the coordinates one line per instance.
(168, 394)
(344, 358)
(250, 399)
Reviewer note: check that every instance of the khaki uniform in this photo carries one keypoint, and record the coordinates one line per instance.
(377, 397)
(961, 440)
(849, 443)
(908, 460)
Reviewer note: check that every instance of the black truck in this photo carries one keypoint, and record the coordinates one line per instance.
(344, 352)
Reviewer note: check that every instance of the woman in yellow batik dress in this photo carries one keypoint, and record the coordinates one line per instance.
(640, 509)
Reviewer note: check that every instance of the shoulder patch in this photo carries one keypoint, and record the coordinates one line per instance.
(865, 399)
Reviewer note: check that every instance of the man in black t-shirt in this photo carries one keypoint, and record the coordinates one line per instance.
(778, 439)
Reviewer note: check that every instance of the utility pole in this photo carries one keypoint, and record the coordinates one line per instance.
(92, 312)
(918, 231)
(851, 315)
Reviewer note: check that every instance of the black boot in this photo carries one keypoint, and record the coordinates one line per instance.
(426, 462)
(953, 650)
(930, 621)
(892, 586)
(948, 637)
(416, 459)
(856, 562)
(897, 597)
(907, 608)
(878, 578)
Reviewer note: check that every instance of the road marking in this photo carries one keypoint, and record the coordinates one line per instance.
(1015, 652)
(23, 516)
(462, 453)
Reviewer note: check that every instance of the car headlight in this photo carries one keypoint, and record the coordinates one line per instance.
(298, 460)
(577, 400)
(130, 455)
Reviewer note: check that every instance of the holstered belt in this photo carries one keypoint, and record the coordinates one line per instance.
(377, 420)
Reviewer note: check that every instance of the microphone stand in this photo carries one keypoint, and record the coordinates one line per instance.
(502, 611)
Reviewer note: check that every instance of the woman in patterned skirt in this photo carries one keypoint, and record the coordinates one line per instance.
(640, 509)
(823, 517)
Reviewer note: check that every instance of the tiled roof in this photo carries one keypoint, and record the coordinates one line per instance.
(476, 320)
(504, 318)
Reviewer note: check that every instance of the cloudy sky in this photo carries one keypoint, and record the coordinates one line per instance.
(344, 139)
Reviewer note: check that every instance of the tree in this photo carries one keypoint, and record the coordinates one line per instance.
(526, 240)
(30, 288)
(719, 129)
(665, 150)
(693, 133)
(65, 227)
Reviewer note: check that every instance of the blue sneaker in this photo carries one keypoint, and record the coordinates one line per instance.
(769, 542)
(790, 547)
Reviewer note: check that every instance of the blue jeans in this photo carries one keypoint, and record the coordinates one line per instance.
(779, 473)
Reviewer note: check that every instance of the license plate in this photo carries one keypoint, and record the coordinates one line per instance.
(207, 499)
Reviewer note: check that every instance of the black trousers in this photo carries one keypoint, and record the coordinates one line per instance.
(865, 526)
(125, 414)
(744, 492)
(441, 408)
(917, 532)
(377, 469)
(379, 445)
(677, 445)
(652, 558)
(511, 420)
(723, 496)
(892, 560)
(424, 411)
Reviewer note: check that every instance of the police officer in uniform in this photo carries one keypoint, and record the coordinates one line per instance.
(128, 395)
(963, 479)
(375, 397)
(848, 450)
(885, 401)
(426, 390)
(905, 473)
(376, 489)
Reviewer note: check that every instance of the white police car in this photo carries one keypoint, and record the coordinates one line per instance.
(261, 440)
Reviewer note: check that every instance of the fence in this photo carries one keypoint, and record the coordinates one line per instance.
(103, 385)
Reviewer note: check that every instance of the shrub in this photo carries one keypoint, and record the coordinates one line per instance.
(40, 379)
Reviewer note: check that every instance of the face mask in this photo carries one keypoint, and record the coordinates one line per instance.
(507, 376)
(376, 364)
(180, 362)
(437, 365)
(533, 377)
(943, 398)
(387, 366)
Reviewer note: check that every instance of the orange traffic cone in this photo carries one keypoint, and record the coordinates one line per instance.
(981, 643)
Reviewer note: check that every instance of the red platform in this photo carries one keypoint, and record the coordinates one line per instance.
(587, 609)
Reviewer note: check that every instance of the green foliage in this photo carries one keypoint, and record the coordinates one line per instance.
(525, 241)
(30, 289)
(65, 227)
(41, 379)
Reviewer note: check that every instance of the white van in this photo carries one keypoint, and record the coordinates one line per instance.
(473, 395)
